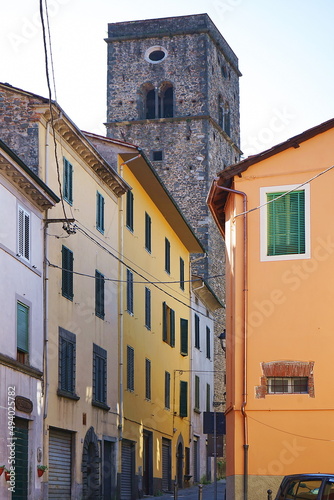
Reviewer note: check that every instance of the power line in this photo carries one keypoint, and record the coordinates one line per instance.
(287, 192)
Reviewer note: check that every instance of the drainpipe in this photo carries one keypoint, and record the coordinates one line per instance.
(46, 293)
(245, 300)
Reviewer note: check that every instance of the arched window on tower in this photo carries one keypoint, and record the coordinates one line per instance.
(167, 101)
(224, 115)
(158, 103)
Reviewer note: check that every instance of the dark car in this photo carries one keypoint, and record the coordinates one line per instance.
(307, 487)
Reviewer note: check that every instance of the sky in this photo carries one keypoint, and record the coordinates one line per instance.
(285, 50)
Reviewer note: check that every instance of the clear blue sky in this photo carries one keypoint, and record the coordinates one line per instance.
(285, 50)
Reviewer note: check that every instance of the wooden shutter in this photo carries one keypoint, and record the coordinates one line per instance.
(172, 328)
(167, 255)
(129, 210)
(183, 398)
(147, 308)
(184, 336)
(99, 212)
(208, 397)
(99, 374)
(147, 378)
(67, 273)
(68, 181)
(22, 319)
(130, 368)
(181, 273)
(167, 390)
(196, 392)
(197, 340)
(147, 232)
(208, 343)
(164, 321)
(99, 294)
(67, 365)
(286, 223)
(129, 291)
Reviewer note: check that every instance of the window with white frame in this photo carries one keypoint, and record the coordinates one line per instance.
(285, 222)
(287, 385)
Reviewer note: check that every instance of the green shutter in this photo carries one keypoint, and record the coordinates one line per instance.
(67, 273)
(164, 321)
(196, 392)
(184, 336)
(181, 273)
(22, 327)
(167, 255)
(130, 368)
(286, 223)
(172, 328)
(68, 181)
(208, 343)
(148, 308)
(197, 340)
(129, 210)
(183, 399)
(167, 390)
(147, 232)
(99, 294)
(99, 212)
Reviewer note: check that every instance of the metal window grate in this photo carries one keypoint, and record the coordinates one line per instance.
(287, 385)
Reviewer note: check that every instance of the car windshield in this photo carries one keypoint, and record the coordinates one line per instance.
(306, 489)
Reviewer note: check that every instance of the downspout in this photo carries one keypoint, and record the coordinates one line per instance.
(245, 302)
(46, 283)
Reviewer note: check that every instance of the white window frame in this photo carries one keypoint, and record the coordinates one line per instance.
(290, 385)
(21, 242)
(263, 223)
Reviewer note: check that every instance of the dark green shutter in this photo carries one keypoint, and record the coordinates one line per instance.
(197, 341)
(196, 392)
(164, 321)
(129, 291)
(147, 308)
(172, 328)
(68, 181)
(286, 223)
(99, 294)
(208, 397)
(147, 232)
(167, 255)
(99, 374)
(67, 273)
(129, 210)
(184, 336)
(167, 390)
(99, 212)
(183, 399)
(208, 343)
(181, 273)
(147, 379)
(130, 368)
(22, 327)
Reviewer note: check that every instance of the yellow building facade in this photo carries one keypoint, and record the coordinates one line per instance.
(155, 323)
(274, 211)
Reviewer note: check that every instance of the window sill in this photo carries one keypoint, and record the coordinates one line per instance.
(68, 395)
(103, 406)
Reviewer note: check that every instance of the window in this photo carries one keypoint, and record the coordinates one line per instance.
(155, 54)
(67, 360)
(147, 379)
(99, 212)
(129, 210)
(99, 294)
(287, 385)
(167, 390)
(224, 116)
(67, 273)
(197, 340)
(184, 336)
(208, 343)
(130, 378)
(23, 234)
(181, 273)
(197, 406)
(168, 325)
(129, 291)
(99, 375)
(285, 223)
(159, 102)
(303, 489)
(208, 397)
(183, 399)
(167, 256)
(68, 182)
(148, 236)
(156, 155)
(148, 308)
(22, 332)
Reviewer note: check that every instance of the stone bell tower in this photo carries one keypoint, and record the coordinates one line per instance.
(173, 89)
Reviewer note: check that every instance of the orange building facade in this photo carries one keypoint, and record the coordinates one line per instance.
(275, 213)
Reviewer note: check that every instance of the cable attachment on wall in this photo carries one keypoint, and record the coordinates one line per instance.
(69, 227)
